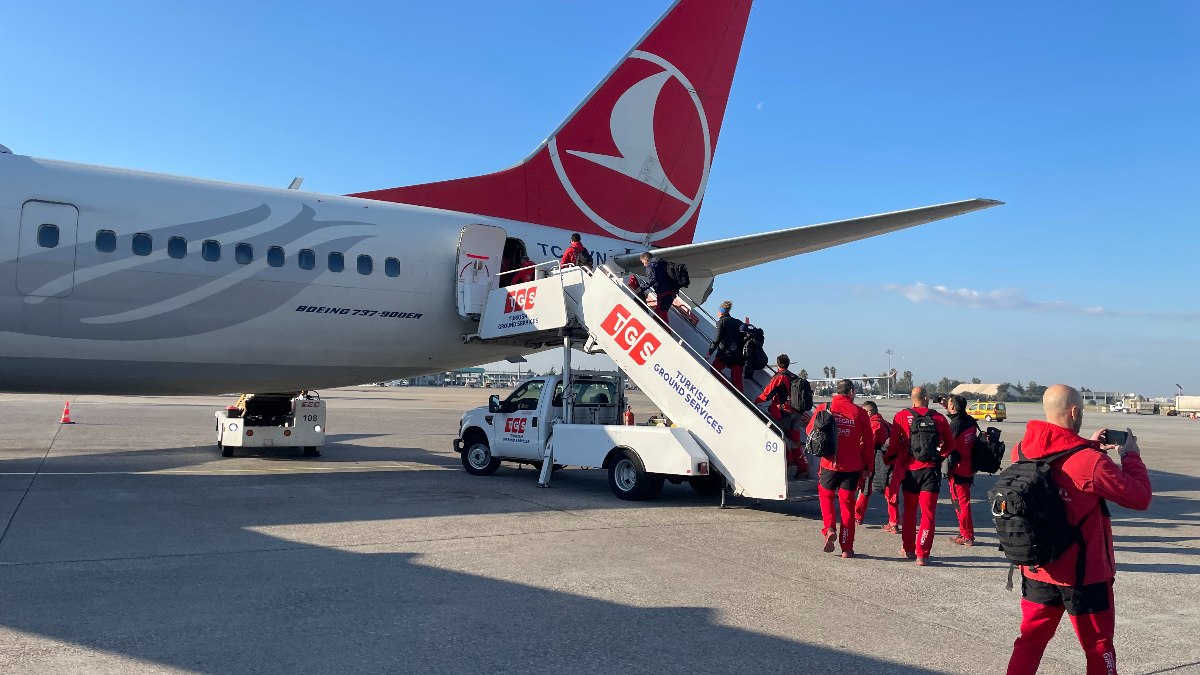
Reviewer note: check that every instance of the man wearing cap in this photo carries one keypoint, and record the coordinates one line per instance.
(728, 345)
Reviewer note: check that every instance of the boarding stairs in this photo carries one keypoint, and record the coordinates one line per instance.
(667, 364)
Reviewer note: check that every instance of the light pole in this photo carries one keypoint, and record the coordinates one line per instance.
(889, 372)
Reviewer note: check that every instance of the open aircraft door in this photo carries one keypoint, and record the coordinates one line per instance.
(480, 248)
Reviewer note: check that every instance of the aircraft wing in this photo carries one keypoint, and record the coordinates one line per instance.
(708, 259)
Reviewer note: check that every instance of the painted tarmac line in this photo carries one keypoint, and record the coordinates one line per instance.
(315, 469)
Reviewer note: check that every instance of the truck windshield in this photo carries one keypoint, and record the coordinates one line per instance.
(526, 396)
(589, 393)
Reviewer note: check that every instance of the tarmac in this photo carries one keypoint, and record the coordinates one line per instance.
(129, 545)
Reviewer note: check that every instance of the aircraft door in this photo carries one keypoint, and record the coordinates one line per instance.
(46, 249)
(480, 248)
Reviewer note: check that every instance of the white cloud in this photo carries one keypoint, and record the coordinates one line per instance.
(759, 106)
(1010, 298)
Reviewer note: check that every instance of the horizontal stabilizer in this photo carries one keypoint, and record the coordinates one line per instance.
(708, 259)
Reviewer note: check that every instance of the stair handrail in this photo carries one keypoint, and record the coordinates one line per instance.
(615, 279)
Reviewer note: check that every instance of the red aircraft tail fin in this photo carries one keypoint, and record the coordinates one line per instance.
(632, 160)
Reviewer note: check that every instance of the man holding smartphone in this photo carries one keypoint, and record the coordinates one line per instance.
(1080, 581)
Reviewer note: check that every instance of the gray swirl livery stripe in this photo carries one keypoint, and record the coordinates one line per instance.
(157, 297)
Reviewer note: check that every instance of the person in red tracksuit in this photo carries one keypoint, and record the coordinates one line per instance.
(922, 480)
(779, 392)
(524, 273)
(1085, 478)
(879, 436)
(961, 476)
(892, 490)
(570, 255)
(839, 478)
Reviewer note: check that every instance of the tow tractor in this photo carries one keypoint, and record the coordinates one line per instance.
(273, 420)
(521, 428)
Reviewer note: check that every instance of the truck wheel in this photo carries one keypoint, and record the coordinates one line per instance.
(628, 478)
(226, 451)
(706, 486)
(477, 459)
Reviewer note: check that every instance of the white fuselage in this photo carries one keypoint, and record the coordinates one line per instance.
(160, 313)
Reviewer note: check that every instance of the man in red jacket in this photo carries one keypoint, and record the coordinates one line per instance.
(779, 392)
(961, 475)
(921, 438)
(839, 478)
(879, 437)
(571, 255)
(1085, 478)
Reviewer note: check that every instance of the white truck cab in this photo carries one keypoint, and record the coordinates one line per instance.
(532, 423)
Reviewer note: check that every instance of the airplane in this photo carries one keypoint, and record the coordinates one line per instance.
(122, 282)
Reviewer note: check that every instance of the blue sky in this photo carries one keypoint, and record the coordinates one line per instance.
(1079, 115)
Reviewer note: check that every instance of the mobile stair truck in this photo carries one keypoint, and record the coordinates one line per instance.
(718, 437)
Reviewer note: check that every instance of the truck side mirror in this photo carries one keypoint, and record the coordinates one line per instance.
(494, 403)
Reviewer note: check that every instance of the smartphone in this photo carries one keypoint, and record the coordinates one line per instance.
(1114, 437)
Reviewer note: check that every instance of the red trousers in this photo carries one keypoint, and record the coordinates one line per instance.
(860, 506)
(892, 496)
(833, 493)
(960, 498)
(795, 451)
(919, 540)
(735, 372)
(662, 306)
(1039, 621)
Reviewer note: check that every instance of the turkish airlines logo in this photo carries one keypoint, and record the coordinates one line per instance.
(630, 334)
(521, 300)
(637, 141)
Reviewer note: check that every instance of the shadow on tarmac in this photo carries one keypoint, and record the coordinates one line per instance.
(169, 569)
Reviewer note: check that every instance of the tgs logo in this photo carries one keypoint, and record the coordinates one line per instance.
(521, 300)
(515, 425)
(630, 334)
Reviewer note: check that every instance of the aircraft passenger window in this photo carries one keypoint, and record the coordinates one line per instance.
(106, 241)
(142, 243)
(391, 267)
(275, 256)
(243, 254)
(210, 250)
(365, 264)
(337, 262)
(47, 235)
(306, 259)
(177, 247)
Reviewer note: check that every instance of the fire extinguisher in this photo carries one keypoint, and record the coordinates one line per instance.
(629, 417)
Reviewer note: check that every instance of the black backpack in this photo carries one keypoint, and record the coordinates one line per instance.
(584, 259)
(823, 439)
(731, 350)
(988, 451)
(923, 437)
(678, 273)
(800, 395)
(1030, 517)
(752, 349)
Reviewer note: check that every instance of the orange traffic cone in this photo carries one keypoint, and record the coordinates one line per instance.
(66, 416)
